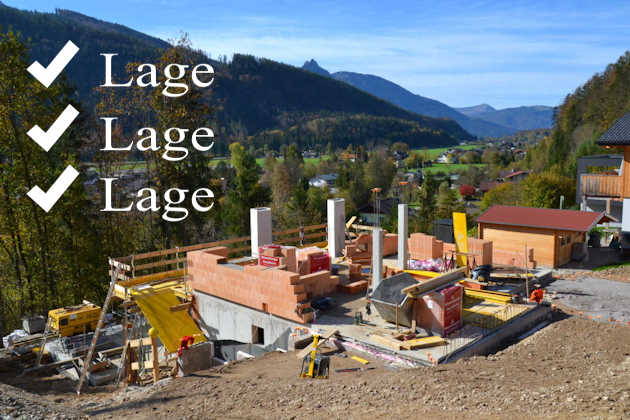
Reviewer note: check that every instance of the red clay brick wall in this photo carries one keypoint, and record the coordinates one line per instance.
(424, 247)
(280, 290)
(480, 247)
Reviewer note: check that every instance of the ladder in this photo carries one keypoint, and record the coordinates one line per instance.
(97, 331)
(42, 346)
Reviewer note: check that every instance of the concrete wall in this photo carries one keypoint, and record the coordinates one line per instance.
(223, 320)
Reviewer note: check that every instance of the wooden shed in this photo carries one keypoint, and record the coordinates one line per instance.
(547, 235)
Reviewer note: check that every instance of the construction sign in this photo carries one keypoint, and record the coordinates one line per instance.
(461, 238)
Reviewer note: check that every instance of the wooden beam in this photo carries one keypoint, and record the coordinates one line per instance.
(181, 307)
(156, 361)
(148, 364)
(146, 341)
(172, 274)
(419, 343)
(431, 284)
(390, 343)
(160, 263)
(302, 354)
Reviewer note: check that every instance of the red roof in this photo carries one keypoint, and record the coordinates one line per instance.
(516, 173)
(555, 219)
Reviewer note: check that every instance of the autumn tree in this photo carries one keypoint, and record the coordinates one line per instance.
(48, 259)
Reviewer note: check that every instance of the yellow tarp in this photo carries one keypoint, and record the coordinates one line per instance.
(155, 304)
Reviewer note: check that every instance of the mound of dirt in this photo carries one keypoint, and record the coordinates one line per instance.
(572, 368)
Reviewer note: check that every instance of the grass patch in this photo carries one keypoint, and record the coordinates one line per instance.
(435, 152)
(450, 168)
(606, 267)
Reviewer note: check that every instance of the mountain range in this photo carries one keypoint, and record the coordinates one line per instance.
(250, 96)
(481, 120)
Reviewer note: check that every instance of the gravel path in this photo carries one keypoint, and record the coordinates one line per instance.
(594, 296)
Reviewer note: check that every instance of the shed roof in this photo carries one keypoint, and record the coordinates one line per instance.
(618, 134)
(554, 219)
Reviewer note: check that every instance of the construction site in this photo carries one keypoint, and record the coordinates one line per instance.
(340, 302)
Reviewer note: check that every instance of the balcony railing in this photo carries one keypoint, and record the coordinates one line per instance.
(597, 185)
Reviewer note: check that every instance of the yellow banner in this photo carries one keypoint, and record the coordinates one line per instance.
(461, 237)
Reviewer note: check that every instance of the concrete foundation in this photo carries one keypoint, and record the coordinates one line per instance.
(336, 226)
(223, 320)
(260, 226)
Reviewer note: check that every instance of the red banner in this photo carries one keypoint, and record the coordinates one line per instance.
(452, 308)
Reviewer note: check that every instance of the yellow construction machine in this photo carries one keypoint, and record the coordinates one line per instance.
(315, 365)
(72, 320)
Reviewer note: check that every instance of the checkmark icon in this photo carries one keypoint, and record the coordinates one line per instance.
(47, 75)
(47, 139)
(46, 200)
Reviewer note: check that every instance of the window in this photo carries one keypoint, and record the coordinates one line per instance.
(63, 322)
(258, 335)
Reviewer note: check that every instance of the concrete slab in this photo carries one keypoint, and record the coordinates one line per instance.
(593, 296)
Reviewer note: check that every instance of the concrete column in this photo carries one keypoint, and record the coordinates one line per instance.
(377, 257)
(625, 215)
(336, 226)
(403, 234)
(260, 226)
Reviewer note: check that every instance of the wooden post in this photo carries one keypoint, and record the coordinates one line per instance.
(414, 314)
(156, 361)
(526, 274)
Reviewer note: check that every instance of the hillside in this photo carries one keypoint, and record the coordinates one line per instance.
(352, 129)
(519, 118)
(400, 96)
(263, 94)
(48, 32)
(250, 94)
(585, 115)
(597, 104)
(475, 110)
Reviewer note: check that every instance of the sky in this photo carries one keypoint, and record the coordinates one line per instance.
(462, 53)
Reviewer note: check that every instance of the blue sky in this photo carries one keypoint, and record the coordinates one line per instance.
(505, 53)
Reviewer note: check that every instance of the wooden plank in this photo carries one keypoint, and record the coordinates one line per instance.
(119, 265)
(296, 230)
(156, 361)
(441, 280)
(181, 307)
(239, 249)
(185, 249)
(97, 367)
(160, 263)
(423, 342)
(148, 364)
(172, 274)
(146, 341)
(423, 273)
(322, 339)
(120, 276)
(390, 343)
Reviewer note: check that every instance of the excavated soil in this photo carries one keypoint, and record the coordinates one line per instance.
(573, 368)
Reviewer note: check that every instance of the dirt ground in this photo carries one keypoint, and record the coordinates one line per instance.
(573, 368)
